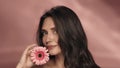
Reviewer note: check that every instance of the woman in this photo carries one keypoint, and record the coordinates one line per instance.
(61, 31)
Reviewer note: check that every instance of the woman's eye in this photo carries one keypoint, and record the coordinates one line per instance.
(54, 32)
(44, 32)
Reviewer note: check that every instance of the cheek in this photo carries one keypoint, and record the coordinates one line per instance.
(44, 40)
(56, 39)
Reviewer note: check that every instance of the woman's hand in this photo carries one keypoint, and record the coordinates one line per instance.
(25, 61)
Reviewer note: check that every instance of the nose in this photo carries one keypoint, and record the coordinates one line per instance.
(49, 38)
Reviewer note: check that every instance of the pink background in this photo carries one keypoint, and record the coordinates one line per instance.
(100, 18)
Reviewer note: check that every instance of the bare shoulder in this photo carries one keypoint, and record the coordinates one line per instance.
(47, 65)
(35, 66)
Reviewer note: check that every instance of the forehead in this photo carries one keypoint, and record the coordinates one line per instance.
(48, 23)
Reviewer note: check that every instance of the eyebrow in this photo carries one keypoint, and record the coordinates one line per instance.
(53, 28)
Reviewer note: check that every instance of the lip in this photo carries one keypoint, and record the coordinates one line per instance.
(50, 47)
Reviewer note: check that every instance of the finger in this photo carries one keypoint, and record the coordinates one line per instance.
(25, 53)
(29, 62)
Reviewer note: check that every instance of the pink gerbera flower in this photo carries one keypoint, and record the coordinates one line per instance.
(39, 55)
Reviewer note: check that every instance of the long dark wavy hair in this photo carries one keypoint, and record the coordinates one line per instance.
(72, 38)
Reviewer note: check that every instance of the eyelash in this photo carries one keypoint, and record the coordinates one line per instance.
(54, 32)
(44, 32)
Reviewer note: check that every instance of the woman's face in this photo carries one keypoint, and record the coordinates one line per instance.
(50, 37)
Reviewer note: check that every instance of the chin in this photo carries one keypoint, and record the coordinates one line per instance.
(54, 53)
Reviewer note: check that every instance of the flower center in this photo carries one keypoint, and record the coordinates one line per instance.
(39, 55)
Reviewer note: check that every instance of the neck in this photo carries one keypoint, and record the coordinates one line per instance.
(59, 61)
